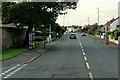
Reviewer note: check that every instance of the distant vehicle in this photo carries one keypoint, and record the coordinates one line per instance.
(83, 34)
(65, 33)
(72, 36)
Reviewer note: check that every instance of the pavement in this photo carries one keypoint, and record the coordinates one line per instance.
(84, 58)
(30, 55)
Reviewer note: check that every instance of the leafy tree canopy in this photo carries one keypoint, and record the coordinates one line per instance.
(33, 13)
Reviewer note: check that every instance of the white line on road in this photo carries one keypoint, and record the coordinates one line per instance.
(91, 76)
(87, 65)
(82, 49)
(79, 41)
(15, 71)
(85, 58)
(84, 53)
(9, 70)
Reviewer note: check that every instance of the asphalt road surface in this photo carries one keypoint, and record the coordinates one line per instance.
(72, 58)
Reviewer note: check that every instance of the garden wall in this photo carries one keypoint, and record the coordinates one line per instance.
(12, 37)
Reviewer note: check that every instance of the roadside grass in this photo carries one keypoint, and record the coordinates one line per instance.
(38, 44)
(12, 52)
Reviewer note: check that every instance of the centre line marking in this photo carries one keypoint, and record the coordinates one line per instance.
(85, 58)
(87, 65)
(84, 53)
(15, 71)
(9, 70)
(91, 76)
(82, 49)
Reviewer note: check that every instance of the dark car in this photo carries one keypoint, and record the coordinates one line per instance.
(72, 36)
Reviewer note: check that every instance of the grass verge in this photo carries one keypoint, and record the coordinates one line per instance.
(12, 52)
(38, 44)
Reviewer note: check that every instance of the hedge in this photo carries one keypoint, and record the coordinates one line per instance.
(53, 34)
(116, 34)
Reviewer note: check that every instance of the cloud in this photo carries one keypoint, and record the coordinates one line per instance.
(87, 8)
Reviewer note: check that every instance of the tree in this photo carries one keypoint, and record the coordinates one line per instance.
(34, 13)
(5, 12)
(93, 29)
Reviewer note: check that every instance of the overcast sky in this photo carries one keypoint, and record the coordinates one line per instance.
(87, 8)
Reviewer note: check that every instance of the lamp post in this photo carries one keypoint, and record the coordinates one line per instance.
(50, 32)
(50, 28)
(63, 17)
(44, 34)
(88, 23)
(98, 18)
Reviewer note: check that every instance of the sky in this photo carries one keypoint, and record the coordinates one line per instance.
(88, 8)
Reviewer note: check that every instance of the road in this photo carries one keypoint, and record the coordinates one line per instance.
(72, 58)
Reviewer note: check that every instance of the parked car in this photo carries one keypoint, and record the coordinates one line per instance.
(72, 36)
(83, 34)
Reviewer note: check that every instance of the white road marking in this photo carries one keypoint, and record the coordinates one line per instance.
(87, 65)
(15, 71)
(84, 53)
(82, 49)
(79, 41)
(9, 70)
(91, 76)
(85, 58)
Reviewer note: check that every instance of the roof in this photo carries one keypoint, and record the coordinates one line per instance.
(111, 21)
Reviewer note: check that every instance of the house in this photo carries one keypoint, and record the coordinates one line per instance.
(118, 26)
(72, 28)
(102, 28)
(114, 24)
(111, 25)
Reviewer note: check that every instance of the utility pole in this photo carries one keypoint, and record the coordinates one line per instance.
(88, 23)
(88, 20)
(50, 32)
(98, 18)
(63, 17)
(44, 34)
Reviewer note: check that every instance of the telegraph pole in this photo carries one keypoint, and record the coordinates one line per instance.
(88, 20)
(98, 18)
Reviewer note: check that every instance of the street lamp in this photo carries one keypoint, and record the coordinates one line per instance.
(50, 37)
(98, 18)
(88, 21)
(44, 34)
(63, 17)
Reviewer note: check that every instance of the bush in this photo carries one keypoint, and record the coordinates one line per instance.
(92, 29)
(116, 34)
(53, 34)
(98, 32)
(111, 35)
